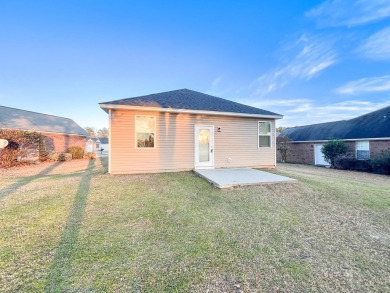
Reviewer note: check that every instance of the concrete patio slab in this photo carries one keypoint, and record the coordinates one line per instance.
(225, 178)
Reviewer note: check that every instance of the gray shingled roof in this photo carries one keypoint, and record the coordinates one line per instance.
(372, 125)
(189, 100)
(103, 140)
(12, 118)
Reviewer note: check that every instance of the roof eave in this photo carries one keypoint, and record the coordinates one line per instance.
(343, 139)
(107, 107)
(44, 131)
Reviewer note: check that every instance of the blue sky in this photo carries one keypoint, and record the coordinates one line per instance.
(312, 61)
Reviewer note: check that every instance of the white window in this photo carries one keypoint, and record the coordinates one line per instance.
(264, 134)
(97, 145)
(363, 150)
(145, 131)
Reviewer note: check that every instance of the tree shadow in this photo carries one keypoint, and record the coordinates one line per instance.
(104, 162)
(61, 264)
(8, 190)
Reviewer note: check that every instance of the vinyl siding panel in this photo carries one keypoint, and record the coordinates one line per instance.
(174, 143)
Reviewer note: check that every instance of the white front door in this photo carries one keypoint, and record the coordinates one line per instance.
(319, 156)
(204, 146)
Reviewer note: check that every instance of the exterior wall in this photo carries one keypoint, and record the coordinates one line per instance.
(303, 153)
(174, 141)
(376, 146)
(61, 142)
(300, 153)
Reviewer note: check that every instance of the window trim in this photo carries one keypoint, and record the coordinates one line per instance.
(356, 150)
(135, 132)
(258, 134)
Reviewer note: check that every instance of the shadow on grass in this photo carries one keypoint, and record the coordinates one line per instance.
(104, 162)
(26, 180)
(61, 264)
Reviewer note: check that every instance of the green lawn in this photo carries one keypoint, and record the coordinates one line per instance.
(86, 231)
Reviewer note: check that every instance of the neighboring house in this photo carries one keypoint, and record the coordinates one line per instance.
(365, 136)
(96, 144)
(60, 133)
(185, 129)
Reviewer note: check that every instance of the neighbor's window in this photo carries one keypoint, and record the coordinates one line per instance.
(145, 131)
(363, 150)
(97, 145)
(264, 134)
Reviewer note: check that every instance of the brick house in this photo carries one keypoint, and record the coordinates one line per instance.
(60, 133)
(365, 136)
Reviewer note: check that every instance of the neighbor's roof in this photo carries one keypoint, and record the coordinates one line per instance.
(186, 100)
(11, 118)
(372, 125)
(103, 140)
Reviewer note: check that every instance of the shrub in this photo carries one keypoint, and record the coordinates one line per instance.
(58, 156)
(53, 156)
(90, 155)
(64, 157)
(76, 151)
(353, 164)
(333, 149)
(21, 144)
(381, 162)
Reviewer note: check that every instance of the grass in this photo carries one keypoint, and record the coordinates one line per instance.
(87, 231)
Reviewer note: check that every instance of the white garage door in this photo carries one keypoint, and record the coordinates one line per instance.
(319, 156)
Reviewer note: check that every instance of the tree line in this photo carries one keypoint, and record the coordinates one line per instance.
(94, 132)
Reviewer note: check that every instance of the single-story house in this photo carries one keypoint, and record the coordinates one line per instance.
(60, 133)
(95, 144)
(184, 129)
(365, 136)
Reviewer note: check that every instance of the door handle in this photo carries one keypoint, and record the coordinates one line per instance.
(211, 150)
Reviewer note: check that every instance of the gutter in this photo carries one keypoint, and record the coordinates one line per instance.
(349, 139)
(107, 107)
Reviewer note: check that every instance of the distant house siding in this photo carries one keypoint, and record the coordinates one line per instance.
(303, 152)
(61, 142)
(174, 150)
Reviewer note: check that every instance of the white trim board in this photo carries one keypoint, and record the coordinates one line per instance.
(186, 111)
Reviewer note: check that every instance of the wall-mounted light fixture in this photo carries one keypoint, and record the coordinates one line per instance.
(219, 129)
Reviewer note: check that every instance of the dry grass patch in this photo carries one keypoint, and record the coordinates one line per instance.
(174, 232)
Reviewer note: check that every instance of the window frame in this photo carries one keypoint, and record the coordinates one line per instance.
(135, 132)
(356, 150)
(258, 134)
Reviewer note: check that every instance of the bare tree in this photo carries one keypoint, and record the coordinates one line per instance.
(280, 129)
(283, 145)
(91, 131)
(103, 132)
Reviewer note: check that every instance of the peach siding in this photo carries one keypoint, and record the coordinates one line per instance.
(175, 143)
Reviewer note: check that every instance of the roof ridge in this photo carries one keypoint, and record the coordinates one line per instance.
(370, 113)
(320, 123)
(37, 113)
(345, 120)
